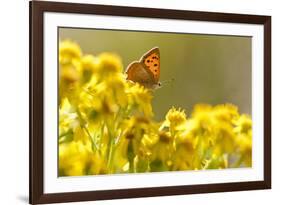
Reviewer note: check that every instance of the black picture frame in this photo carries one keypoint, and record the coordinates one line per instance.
(37, 9)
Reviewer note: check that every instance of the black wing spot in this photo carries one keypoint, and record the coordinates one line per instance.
(155, 64)
(148, 61)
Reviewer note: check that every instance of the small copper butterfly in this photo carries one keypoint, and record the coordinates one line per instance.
(146, 71)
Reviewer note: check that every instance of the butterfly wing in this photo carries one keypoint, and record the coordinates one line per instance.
(151, 62)
(137, 73)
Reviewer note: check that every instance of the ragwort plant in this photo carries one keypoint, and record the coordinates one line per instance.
(106, 124)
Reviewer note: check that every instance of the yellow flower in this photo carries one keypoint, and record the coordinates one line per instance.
(175, 120)
(100, 102)
(73, 158)
(68, 51)
(116, 88)
(96, 165)
(243, 131)
(243, 124)
(226, 112)
(89, 67)
(69, 79)
(80, 135)
(223, 139)
(161, 152)
(108, 64)
(185, 157)
(175, 116)
(202, 113)
(67, 118)
(135, 143)
(69, 73)
(135, 129)
(148, 141)
(140, 98)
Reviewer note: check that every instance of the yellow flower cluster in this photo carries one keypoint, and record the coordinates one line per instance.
(106, 124)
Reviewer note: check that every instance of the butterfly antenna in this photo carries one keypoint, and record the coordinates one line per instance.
(168, 81)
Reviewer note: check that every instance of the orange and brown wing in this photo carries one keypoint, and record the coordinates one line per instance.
(151, 60)
(137, 73)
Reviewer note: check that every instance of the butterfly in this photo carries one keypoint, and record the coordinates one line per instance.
(146, 71)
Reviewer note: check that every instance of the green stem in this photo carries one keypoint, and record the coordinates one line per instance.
(113, 139)
(91, 139)
(110, 154)
(82, 122)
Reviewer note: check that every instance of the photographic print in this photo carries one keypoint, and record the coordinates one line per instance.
(138, 102)
(141, 102)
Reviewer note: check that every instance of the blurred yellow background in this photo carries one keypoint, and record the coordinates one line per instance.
(209, 69)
